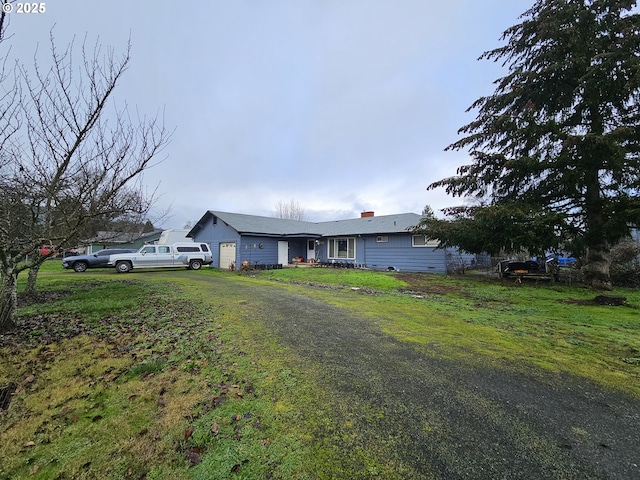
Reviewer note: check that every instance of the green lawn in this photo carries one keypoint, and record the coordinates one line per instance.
(166, 379)
(557, 327)
(157, 384)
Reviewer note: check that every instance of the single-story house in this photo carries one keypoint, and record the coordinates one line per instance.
(378, 242)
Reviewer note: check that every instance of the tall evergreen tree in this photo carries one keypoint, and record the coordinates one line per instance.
(561, 132)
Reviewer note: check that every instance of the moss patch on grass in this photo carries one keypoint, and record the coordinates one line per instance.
(163, 376)
(315, 438)
(156, 386)
(555, 327)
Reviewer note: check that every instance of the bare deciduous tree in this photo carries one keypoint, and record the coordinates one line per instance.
(68, 158)
(290, 210)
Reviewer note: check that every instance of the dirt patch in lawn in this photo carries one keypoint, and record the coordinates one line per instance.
(35, 298)
(32, 330)
(421, 283)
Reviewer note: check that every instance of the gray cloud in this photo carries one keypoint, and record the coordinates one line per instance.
(343, 106)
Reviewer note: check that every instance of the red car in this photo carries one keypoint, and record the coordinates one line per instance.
(47, 249)
(58, 252)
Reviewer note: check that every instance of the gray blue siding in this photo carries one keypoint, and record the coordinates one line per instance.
(250, 249)
(216, 233)
(397, 253)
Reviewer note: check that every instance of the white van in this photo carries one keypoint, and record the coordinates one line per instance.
(190, 255)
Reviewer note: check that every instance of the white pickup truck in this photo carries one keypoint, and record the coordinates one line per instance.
(190, 255)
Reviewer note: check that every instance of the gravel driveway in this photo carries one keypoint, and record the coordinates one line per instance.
(452, 420)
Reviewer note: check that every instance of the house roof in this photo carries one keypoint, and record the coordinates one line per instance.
(398, 223)
(254, 224)
(104, 236)
(265, 225)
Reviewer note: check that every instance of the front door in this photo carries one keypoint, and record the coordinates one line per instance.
(311, 250)
(283, 253)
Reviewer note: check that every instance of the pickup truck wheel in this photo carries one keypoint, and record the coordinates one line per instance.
(79, 267)
(123, 267)
(195, 264)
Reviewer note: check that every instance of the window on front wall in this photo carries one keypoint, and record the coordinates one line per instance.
(342, 248)
(423, 241)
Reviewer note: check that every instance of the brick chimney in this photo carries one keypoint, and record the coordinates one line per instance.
(366, 214)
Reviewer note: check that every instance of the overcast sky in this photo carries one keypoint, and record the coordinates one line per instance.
(341, 105)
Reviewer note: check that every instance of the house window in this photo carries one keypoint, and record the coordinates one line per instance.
(342, 248)
(382, 238)
(423, 241)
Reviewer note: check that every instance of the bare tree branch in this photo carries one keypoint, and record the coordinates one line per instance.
(68, 161)
(290, 210)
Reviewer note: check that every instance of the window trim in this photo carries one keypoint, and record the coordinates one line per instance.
(428, 243)
(332, 245)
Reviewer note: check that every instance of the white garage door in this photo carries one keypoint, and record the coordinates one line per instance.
(227, 254)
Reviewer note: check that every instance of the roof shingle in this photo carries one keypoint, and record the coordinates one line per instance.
(254, 224)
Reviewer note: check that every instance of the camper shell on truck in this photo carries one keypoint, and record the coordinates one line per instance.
(185, 254)
(176, 235)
